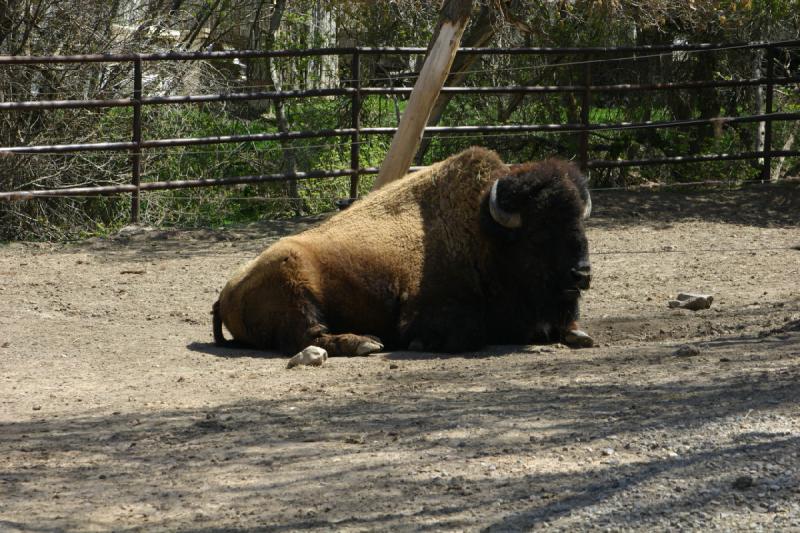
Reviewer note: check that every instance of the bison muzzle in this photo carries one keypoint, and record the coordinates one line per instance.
(467, 252)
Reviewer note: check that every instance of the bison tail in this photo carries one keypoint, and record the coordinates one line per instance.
(219, 337)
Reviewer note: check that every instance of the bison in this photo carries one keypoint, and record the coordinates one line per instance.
(467, 252)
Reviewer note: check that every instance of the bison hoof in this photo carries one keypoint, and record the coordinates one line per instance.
(368, 347)
(577, 338)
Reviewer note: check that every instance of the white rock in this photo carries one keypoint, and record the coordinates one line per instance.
(311, 356)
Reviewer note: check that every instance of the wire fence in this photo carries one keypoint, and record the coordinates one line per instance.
(352, 88)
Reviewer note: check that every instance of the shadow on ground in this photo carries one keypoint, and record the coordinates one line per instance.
(231, 352)
(761, 205)
(368, 461)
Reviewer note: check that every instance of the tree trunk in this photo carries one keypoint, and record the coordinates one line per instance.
(758, 108)
(452, 21)
(706, 101)
(289, 165)
(776, 172)
(481, 32)
(289, 160)
(199, 24)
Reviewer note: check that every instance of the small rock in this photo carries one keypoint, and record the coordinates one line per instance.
(393, 366)
(693, 302)
(687, 350)
(742, 483)
(37, 407)
(311, 356)
(608, 451)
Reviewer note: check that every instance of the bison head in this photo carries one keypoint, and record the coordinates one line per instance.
(534, 216)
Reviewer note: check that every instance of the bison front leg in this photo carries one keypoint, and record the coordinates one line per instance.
(348, 344)
(311, 329)
(571, 333)
(307, 327)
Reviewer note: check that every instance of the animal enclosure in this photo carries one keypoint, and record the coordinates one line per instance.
(588, 95)
(117, 411)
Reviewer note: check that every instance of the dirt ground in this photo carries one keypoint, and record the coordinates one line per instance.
(117, 413)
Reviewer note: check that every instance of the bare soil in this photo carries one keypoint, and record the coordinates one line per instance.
(117, 413)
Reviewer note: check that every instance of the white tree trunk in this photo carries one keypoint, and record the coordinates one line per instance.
(759, 104)
(776, 172)
(426, 90)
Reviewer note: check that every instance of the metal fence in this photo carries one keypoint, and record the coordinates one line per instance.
(588, 57)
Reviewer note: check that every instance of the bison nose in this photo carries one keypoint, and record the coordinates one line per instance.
(582, 276)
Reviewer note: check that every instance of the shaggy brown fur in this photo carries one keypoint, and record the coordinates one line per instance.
(410, 264)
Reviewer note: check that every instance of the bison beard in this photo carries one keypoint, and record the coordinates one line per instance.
(467, 252)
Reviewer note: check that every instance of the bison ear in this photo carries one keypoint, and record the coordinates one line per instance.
(507, 219)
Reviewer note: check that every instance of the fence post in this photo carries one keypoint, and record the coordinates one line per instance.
(355, 137)
(136, 154)
(767, 168)
(583, 146)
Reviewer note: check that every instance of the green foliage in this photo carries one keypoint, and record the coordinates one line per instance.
(310, 23)
(218, 206)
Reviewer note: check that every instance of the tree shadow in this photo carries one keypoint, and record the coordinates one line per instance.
(315, 460)
(624, 479)
(763, 205)
(139, 244)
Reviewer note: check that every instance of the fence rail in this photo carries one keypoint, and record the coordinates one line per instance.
(356, 92)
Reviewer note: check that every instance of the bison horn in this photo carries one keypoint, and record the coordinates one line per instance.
(504, 218)
(587, 210)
